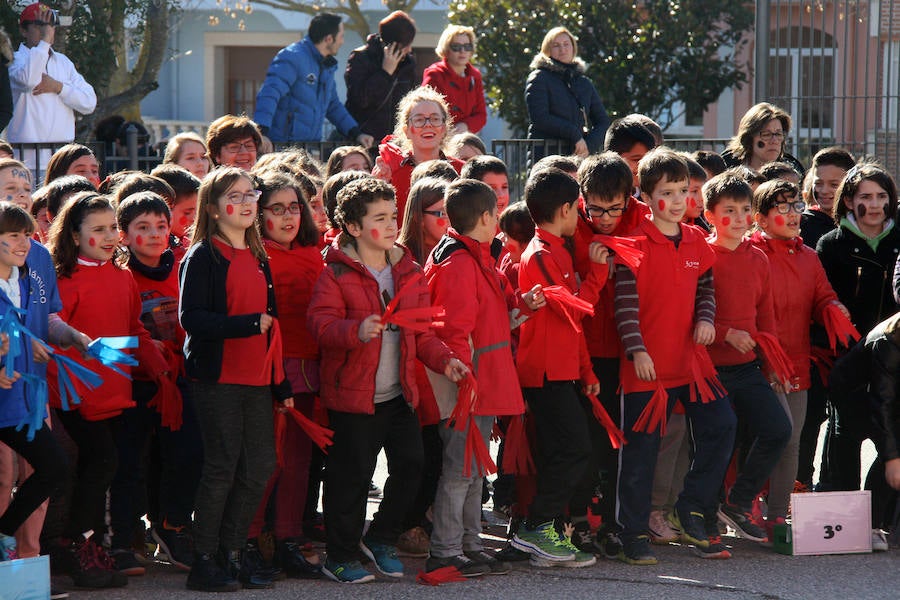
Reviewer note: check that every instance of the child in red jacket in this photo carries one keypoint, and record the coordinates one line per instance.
(368, 378)
(664, 309)
(804, 294)
(552, 360)
(463, 278)
(743, 308)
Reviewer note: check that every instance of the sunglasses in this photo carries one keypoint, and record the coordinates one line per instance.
(435, 213)
(462, 47)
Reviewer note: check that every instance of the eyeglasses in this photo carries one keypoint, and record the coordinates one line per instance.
(433, 120)
(599, 211)
(236, 147)
(280, 209)
(785, 207)
(438, 214)
(768, 136)
(251, 197)
(462, 47)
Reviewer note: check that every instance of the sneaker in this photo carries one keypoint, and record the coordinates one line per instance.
(384, 556)
(414, 543)
(92, 567)
(610, 544)
(742, 522)
(497, 567)
(660, 530)
(544, 541)
(254, 564)
(298, 560)
(374, 490)
(690, 526)
(207, 576)
(716, 549)
(125, 562)
(510, 553)
(584, 540)
(465, 565)
(879, 541)
(581, 559)
(174, 544)
(637, 551)
(7, 548)
(347, 572)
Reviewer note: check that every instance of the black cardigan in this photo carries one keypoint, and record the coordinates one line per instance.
(203, 312)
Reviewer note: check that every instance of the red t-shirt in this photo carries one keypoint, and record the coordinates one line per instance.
(294, 273)
(244, 359)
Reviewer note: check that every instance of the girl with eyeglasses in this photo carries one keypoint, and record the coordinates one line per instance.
(458, 80)
(423, 123)
(233, 357)
(761, 138)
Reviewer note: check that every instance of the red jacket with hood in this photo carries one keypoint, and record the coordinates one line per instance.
(402, 164)
(464, 93)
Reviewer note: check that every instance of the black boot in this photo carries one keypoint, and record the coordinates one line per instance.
(253, 561)
(207, 576)
(294, 562)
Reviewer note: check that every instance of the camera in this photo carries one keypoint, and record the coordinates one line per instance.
(56, 20)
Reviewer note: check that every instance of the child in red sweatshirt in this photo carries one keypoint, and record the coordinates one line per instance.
(553, 363)
(663, 311)
(743, 308)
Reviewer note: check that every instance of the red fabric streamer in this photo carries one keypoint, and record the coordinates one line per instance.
(496, 432)
(280, 435)
(439, 576)
(776, 358)
(616, 435)
(569, 303)
(517, 458)
(417, 319)
(461, 418)
(838, 327)
(320, 436)
(654, 414)
(274, 355)
(392, 306)
(623, 249)
(706, 380)
(168, 401)
(824, 360)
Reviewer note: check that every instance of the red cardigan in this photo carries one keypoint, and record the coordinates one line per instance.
(104, 301)
(464, 93)
(743, 299)
(801, 291)
(667, 288)
(294, 273)
(548, 344)
(344, 295)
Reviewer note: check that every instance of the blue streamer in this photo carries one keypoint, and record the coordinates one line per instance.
(12, 326)
(66, 365)
(109, 352)
(36, 400)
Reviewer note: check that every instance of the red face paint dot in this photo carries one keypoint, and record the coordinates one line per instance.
(230, 209)
(442, 222)
(662, 205)
(779, 220)
(726, 221)
(749, 220)
(375, 234)
(270, 224)
(692, 202)
(139, 240)
(92, 242)
(183, 221)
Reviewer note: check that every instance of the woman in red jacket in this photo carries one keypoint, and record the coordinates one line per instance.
(458, 80)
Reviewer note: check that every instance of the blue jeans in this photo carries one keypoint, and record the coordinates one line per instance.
(711, 426)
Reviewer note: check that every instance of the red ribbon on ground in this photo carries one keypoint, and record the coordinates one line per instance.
(654, 414)
(624, 249)
(706, 380)
(517, 458)
(777, 359)
(838, 327)
(569, 303)
(439, 576)
(461, 419)
(320, 436)
(616, 435)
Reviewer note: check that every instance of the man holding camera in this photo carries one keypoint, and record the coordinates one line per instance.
(47, 90)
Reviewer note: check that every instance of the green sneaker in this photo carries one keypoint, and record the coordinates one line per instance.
(544, 542)
(691, 526)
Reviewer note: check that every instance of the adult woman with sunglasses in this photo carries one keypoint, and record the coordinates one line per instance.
(562, 102)
(423, 122)
(458, 80)
(761, 138)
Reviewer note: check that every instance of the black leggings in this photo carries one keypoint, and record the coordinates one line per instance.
(50, 471)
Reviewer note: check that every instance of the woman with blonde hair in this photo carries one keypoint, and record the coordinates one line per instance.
(459, 81)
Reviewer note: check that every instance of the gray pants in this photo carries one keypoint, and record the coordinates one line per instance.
(781, 481)
(457, 504)
(237, 426)
(672, 464)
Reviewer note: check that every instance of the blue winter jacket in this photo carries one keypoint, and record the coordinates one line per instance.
(298, 94)
(40, 298)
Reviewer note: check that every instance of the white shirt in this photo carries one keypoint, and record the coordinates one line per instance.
(46, 117)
